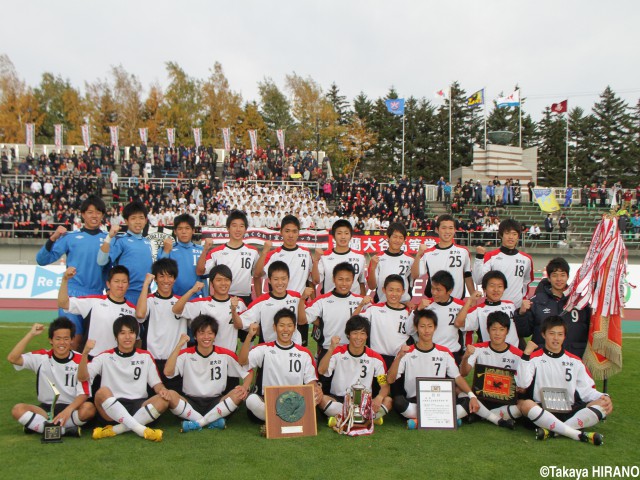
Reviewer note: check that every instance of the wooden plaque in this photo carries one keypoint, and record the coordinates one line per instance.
(278, 427)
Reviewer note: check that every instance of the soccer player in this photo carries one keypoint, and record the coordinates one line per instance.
(391, 323)
(205, 369)
(219, 305)
(99, 311)
(324, 262)
(281, 363)
(445, 256)
(446, 307)
(130, 249)
(237, 255)
(426, 359)
(554, 367)
(263, 309)
(348, 364)
(298, 259)
(163, 327)
(329, 312)
(551, 300)
(516, 266)
(125, 372)
(495, 353)
(59, 365)
(392, 261)
(81, 249)
(471, 319)
(185, 253)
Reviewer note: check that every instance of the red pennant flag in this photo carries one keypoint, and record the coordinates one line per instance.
(559, 107)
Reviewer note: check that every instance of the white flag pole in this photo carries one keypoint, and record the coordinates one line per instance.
(520, 115)
(450, 152)
(484, 109)
(403, 115)
(566, 153)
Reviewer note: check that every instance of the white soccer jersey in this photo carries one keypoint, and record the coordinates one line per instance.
(394, 263)
(335, 310)
(292, 365)
(347, 369)
(206, 377)
(517, 267)
(453, 259)
(98, 313)
(242, 262)
(477, 319)
(127, 375)
(227, 336)
(330, 259)
(508, 359)
(264, 308)
(61, 372)
(163, 326)
(437, 362)
(390, 328)
(299, 262)
(557, 370)
(447, 334)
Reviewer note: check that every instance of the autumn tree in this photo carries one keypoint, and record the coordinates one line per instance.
(222, 107)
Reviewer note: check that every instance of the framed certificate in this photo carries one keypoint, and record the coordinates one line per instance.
(494, 384)
(436, 399)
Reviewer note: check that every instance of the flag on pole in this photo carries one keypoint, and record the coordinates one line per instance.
(512, 100)
(599, 284)
(280, 135)
(196, 137)
(395, 105)
(226, 137)
(143, 134)
(546, 199)
(171, 136)
(253, 136)
(444, 94)
(86, 137)
(560, 107)
(113, 130)
(57, 134)
(30, 134)
(476, 99)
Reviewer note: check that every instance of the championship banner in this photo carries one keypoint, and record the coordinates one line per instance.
(86, 138)
(546, 199)
(143, 134)
(280, 135)
(30, 134)
(113, 130)
(196, 137)
(226, 137)
(171, 136)
(376, 241)
(494, 384)
(253, 136)
(57, 132)
(257, 236)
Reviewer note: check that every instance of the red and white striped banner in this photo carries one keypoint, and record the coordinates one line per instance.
(196, 137)
(253, 136)
(57, 134)
(171, 136)
(86, 138)
(113, 130)
(280, 135)
(143, 134)
(30, 134)
(226, 136)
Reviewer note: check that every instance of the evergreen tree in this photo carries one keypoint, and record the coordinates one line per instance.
(582, 164)
(340, 104)
(363, 107)
(551, 149)
(275, 109)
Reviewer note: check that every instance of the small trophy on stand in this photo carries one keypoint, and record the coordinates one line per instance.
(52, 433)
(357, 391)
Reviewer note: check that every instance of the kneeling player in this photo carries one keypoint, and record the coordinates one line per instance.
(281, 362)
(495, 353)
(126, 372)
(426, 359)
(60, 366)
(554, 367)
(204, 370)
(352, 363)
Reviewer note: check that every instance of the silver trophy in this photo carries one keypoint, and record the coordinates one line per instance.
(556, 400)
(52, 433)
(357, 391)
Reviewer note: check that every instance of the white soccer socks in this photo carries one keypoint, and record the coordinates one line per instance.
(547, 420)
(224, 408)
(256, 405)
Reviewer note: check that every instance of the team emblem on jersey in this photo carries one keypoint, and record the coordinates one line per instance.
(156, 241)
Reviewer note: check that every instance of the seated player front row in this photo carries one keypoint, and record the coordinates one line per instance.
(208, 396)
